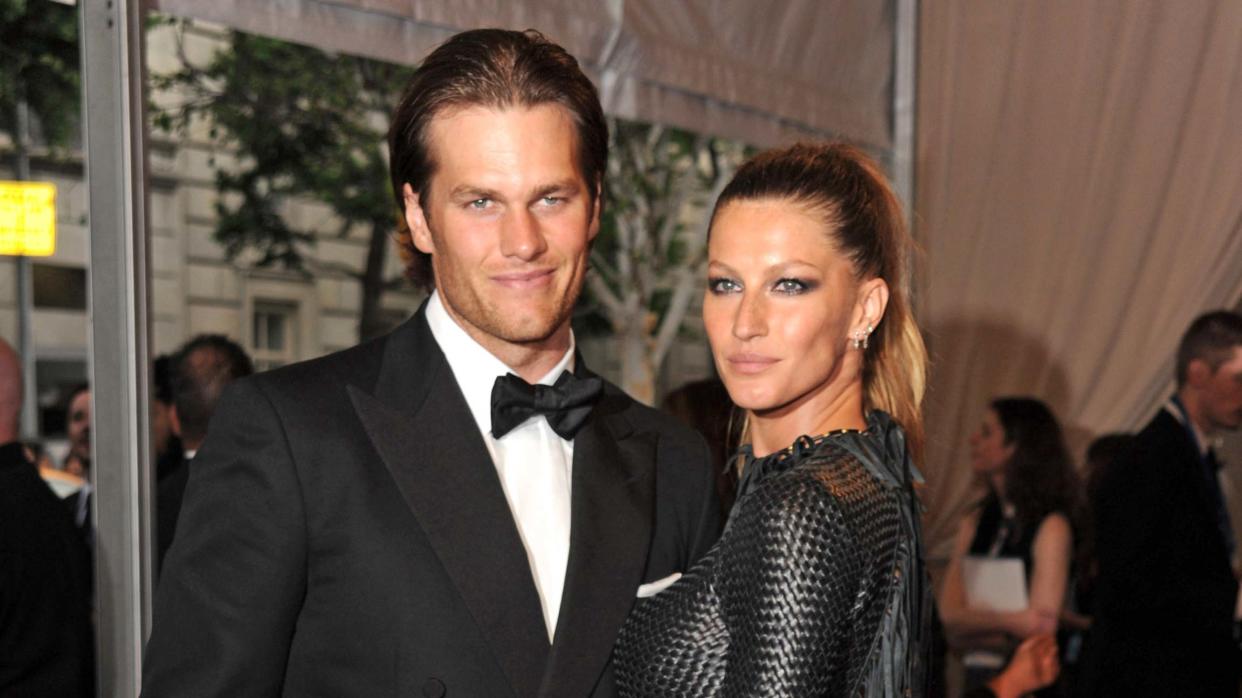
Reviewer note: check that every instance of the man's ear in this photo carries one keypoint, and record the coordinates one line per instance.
(174, 421)
(1197, 372)
(416, 220)
(872, 301)
(597, 209)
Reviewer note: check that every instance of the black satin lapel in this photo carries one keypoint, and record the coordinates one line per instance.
(612, 510)
(443, 470)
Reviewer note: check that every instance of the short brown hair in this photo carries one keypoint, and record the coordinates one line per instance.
(1210, 338)
(492, 68)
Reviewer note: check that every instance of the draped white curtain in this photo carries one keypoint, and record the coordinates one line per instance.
(759, 72)
(1079, 197)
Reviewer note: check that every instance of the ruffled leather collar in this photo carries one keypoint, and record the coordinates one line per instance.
(881, 448)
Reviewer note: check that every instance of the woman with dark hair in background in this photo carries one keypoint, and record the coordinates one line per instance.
(1020, 453)
(817, 585)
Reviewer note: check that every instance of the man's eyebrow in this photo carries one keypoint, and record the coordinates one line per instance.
(468, 192)
(565, 186)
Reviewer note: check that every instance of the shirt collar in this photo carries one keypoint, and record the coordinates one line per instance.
(474, 367)
(1175, 408)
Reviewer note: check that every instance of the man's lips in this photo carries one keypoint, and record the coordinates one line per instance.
(518, 280)
(750, 363)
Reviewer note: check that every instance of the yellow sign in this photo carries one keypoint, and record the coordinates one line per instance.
(28, 218)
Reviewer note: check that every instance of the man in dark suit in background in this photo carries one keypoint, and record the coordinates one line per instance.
(46, 640)
(197, 376)
(412, 516)
(1166, 588)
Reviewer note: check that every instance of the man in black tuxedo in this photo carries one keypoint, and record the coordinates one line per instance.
(197, 376)
(1166, 588)
(405, 517)
(47, 643)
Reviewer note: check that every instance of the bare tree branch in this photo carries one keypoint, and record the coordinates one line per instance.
(612, 304)
(675, 316)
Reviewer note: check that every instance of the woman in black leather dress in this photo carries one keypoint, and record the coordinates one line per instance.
(817, 585)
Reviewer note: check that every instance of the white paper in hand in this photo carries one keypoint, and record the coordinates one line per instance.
(995, 584)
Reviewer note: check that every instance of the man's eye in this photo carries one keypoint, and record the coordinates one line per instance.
(552, 200)
(791, 287)
(719, 285)
(479, 204)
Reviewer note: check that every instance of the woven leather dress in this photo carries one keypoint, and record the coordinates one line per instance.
(815, 588)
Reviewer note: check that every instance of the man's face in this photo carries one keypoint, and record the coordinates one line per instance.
(508, 221)
(79, 426)
(1221, 393)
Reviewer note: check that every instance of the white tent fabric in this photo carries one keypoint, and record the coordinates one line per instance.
(1080, 200)
(762, 73)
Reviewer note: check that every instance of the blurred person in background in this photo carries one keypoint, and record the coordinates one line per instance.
(167, 446)
(198, 375)
(46, 643)
(705, 406)
(1166, 590)
(1077, 619)
(78, 461)
(78, 430)
(1020, 453)
(1034, 666)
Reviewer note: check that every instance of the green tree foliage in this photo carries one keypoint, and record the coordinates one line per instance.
(39, 62)
(305, 124)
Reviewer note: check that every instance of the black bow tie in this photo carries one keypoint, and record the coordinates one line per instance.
(566, 404)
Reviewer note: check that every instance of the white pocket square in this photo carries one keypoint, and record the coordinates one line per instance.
(659, 585)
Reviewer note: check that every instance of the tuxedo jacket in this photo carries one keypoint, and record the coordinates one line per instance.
(1166, 592)
(344, 533)
(47, 645)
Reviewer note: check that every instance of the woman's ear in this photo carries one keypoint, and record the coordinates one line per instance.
(872, 301)
(416, 220)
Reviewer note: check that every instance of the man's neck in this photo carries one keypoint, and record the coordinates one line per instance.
(529, 360)
(1194, 412)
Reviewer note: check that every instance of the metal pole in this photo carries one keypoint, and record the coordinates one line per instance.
(112, 58)
(905, 63)
(25, 345)
(905, 73)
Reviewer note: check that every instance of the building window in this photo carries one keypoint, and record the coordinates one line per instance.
(58, 288)
(273, 335)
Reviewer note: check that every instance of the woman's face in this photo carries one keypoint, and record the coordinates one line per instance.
(988, 450)
(780, 305)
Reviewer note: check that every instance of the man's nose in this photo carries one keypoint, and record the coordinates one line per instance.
(521, 236)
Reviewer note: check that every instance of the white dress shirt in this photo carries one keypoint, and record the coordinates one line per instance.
(534, 464)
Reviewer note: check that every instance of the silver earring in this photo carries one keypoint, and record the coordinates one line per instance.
(862, 338)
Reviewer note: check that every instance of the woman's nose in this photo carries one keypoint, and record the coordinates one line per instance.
(751, 319)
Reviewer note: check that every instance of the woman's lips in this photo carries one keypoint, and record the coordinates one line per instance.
(749, 364)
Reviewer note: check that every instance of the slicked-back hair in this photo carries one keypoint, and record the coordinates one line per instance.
(1211, 338)
(200, 371)
(493, 68)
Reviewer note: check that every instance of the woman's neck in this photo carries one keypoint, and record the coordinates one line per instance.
(816, 413)
(997, 482)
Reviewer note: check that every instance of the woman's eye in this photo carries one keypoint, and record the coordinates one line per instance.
(720, 285)
(791, 287)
